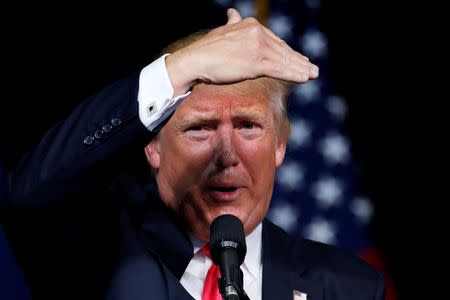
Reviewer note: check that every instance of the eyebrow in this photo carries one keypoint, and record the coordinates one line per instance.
(254, 114)
(198, 117)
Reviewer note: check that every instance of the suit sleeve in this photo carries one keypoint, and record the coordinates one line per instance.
(79, 155)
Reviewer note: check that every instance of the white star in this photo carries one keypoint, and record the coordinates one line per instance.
(362, 208)
(284, 215)
(307, 92)
(300, 133)
(321, 230)
(281, 25)
(245, 8)
(290, 175)
(335, 148)
(314, 44)
(327, 191)
(336, 106)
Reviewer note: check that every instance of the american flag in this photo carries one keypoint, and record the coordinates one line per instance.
(317, 192)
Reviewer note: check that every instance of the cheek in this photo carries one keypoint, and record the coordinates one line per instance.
(182, 169)
(263, 148)
(180, 157)
(258, 158)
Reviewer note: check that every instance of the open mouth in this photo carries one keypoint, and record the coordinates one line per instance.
(224, 188)
(224, 193)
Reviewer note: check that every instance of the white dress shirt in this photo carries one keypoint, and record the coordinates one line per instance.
(155, 94)
(195, 273)
(155, 105)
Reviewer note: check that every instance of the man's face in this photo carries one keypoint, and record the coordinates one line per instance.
(217, 155)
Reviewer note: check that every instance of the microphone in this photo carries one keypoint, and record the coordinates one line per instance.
(228, 249)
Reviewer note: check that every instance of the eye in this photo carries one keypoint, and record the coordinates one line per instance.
(250, 129)
(248, 125)
(198, 132)
(195, 128)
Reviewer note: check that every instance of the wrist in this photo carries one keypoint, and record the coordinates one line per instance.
(180, 74)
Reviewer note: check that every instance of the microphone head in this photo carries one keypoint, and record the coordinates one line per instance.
(227, 232)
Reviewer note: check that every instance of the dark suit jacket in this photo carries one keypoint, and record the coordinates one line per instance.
(85, 225)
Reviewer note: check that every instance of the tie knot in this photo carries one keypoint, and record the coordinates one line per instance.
(205, 250)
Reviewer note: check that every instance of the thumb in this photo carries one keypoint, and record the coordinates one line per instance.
(233, 16)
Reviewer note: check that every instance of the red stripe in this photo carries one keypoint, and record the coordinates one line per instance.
(374, 258)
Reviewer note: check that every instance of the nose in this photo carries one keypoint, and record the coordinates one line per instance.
(226, 155)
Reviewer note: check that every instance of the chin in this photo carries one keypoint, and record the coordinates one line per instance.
(229, 211)
(249, 224)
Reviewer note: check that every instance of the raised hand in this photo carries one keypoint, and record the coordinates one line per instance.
(239, 50)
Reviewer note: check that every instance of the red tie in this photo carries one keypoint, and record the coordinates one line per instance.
(210, 288)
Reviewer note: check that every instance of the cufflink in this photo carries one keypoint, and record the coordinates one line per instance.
(151, 109)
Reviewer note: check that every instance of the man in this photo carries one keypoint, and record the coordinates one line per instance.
(213, 111)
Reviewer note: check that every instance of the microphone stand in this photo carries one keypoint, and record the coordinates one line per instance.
(233, 290)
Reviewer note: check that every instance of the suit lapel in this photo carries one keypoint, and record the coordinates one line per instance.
(174, 289)
(162, 234)
(284, 267)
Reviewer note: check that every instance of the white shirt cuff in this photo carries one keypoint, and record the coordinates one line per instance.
(155, 94)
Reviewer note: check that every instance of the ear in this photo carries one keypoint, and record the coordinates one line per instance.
(280, 150)
(152, 153)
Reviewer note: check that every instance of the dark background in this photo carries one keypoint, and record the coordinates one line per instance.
(54, 57)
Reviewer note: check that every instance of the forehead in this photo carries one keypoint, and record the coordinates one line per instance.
(245, 96)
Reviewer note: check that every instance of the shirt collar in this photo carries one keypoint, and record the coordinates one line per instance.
(252, 261)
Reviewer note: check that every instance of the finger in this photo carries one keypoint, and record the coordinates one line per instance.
(279, 40)
(287, 67)
(293, 74)
(233, 16)
(299, 65)
(295, 62)
(277, 71)
(280, 53)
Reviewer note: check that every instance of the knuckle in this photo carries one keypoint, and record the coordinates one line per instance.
(252, 20)
(256, 31)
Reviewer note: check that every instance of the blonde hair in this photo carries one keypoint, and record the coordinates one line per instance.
(278, 89)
